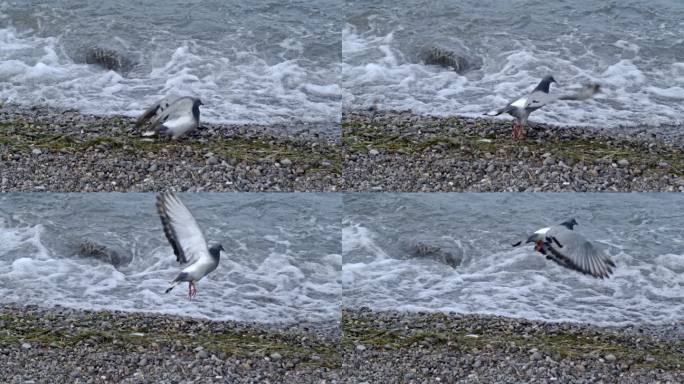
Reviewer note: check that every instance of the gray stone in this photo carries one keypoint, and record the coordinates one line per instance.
(276, 356)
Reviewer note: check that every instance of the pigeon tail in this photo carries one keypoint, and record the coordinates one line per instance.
(175, 282)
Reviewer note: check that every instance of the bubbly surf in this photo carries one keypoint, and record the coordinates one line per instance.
(634, 50)
(282, 263)
(262, 62)
(641, 233)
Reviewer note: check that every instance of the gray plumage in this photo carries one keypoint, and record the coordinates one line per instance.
(172, 116)
(571, 250)
(522, 107)
(539, 97)
(187, 241)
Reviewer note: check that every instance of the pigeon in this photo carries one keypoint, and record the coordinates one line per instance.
(522, 107)
(172, 116)
(539, 97)
(187, 241)
(570, 250)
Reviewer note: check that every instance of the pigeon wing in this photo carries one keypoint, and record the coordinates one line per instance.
(179, 108)
(573, 251)
(152, 113)
(181, 229)
(536, 100)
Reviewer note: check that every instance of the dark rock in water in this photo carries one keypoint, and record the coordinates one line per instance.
(428, 250)
(102, 253)
(109, 59)
(447, 58)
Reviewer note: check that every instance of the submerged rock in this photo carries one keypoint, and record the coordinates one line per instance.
(103, 253)
(434, 55)
(429, 249)
(108, 59)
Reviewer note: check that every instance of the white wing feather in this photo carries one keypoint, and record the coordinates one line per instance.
(183, 230)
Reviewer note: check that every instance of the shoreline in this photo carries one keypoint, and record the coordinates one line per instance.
(44, 149)
(438, 347)
(109, 346)
(395, 151)
(372, 346)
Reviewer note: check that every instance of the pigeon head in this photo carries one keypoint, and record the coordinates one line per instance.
(569, 224)
(545, 83)
(198, 102)
(215, 251)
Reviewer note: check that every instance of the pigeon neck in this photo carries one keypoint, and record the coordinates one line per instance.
(195, 111)
(543, 86)
(570, 224)
(215, 253)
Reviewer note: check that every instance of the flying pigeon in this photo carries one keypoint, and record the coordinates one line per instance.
(570, 250)
(539, 97)
(187, 242)
(172, 116)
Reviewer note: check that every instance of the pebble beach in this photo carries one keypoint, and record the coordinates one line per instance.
(43, 149)
(71, 345)
(396, 151)
(400, 347)
(58, 345)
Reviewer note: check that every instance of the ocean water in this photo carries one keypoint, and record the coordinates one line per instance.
(283, 259)
(642, 233)
(261, 61)
(634, 49)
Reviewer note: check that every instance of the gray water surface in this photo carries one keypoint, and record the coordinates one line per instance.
(255, 62)
(642, 233)
(634, 49)
(282, 262)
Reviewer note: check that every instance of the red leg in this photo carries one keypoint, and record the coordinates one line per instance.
(192, 289)
(518, 131)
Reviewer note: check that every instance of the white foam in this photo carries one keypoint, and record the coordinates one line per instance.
(516, 283)
(34, 71)
(278, 289)
(635, 92)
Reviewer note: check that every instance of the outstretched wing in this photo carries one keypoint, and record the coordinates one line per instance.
(153, 113)
(573, 251)
(181, 229)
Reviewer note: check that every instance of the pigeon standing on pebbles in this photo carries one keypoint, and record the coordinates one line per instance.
(172, 116)
(187, 241)
(570, 250)
(522, 107)
(539, 97)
